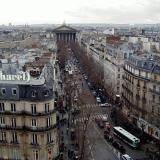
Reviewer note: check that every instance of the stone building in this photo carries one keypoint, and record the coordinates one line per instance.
(28, 123)
(141, 91)
(65, 33)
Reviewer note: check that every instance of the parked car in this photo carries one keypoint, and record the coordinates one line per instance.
(98, 100)
(90, 86)
(126, 157)
(94, 93)
(107, 126)
(118, 145)
(108, 137)
(105, 105)
(100, 124)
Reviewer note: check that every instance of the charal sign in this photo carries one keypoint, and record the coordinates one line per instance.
(21, 76)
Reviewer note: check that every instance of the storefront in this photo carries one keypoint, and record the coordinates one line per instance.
(149, 128)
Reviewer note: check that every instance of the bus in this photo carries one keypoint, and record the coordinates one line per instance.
(126, 137)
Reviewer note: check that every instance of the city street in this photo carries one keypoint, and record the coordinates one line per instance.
(100, 149)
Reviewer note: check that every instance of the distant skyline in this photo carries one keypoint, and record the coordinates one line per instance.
(22, 12)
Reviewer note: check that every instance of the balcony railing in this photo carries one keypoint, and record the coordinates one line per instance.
(44, 113)
(31, 129)
(3, 141)
(35, 144)
(154, 91)
(144, 88)
(138, 86)
(14, 142)
(144, 99)
(137, 97)
(155, 81)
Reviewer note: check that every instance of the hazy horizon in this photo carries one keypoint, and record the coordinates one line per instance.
(19, 12)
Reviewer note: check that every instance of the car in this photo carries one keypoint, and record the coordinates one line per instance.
(126, 157)
(75, 111)
(118, 145)
(98, 99)
(94, 93)
(107, 126)
(104, 118)
(90, 86)
(100, 124)
(105, 105)
(108, 137)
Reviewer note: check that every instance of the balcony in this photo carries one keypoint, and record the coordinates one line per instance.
(34, 144)
(44, 113)
(31, 129)
(49, 142)
(144, 88)
(3, 141)
(155, 81)
(138, 86)
(137, 97)
(144, 99)
(154, 91)
(14, 142)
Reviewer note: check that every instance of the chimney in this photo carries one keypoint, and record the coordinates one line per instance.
(17, 63)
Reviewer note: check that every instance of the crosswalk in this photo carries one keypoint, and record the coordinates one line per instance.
(83, 119)
(88, 106)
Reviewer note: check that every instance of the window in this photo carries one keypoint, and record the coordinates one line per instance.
(33, 93)
(14, 137)
(4, 153)
(3, 91)
(48, 122)
(2, 121)
(13, 107)
(46, 107)
(2, 107)
(118, 76)
(35, 155)
(49, 137)
(155, 77)
(33, 108)
(34, 139)
(153, 96)
(46, 93)
(49, 153)
(14, 91)
(15, 154)
(125, 55)
(13, 122)
(152, 109)
(3, 136)
(118, 69)
(33, 123)
(117, 89)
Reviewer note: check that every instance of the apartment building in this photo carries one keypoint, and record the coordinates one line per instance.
(141, 94)
(28, 123)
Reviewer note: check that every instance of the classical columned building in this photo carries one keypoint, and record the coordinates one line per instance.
(65, 33)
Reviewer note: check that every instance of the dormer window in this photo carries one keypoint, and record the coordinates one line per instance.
(14, 91)
(33, 93)
(46, 93)
(3, 91)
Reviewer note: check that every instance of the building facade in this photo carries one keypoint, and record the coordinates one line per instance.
(65, 33)
(141, 92)
(28, 123)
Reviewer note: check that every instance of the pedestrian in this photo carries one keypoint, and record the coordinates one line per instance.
(69, 153)
(67, 130)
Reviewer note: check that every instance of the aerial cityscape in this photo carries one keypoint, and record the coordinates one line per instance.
(80, 81)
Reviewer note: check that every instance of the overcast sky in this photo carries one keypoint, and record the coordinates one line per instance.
(79, 11)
